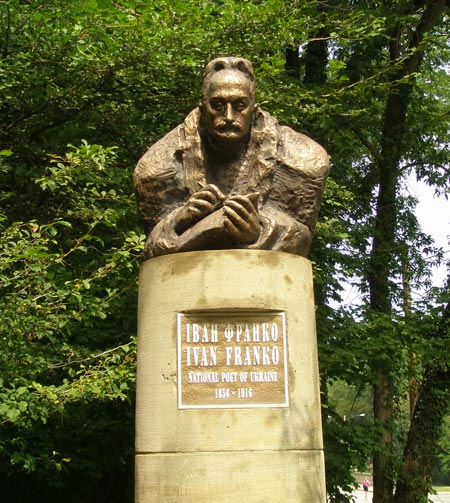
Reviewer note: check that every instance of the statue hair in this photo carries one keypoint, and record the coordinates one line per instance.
(231, 64)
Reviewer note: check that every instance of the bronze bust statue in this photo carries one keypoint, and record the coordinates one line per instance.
(230, 176)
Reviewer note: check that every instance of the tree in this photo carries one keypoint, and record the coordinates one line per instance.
(67, 335)
(428, 419)
(405, 55)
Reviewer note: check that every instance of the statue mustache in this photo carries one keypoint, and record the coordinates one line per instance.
(228, 126)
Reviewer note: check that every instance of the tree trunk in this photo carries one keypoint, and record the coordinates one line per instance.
(382, 253)
(292, 62)
(431, 408)
(415, 479)
(380, 298)
(315, 57)
(316, 60)
(413, 383)
(382, 410)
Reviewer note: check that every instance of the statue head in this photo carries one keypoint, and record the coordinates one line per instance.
(228, 100)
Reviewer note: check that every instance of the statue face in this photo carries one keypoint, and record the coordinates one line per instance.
(227, 106)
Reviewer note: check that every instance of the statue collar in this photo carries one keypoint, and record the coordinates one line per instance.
(258, 162)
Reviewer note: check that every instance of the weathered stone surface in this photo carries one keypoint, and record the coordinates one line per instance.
(230, 477)
(267, 454)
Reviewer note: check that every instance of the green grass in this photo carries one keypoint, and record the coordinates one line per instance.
(442, 489)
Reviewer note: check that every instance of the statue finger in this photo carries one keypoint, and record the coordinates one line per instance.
(243, 208)
(232, 229)
(240, 229)
(208, 198)
(242, 201)
(211, 193)
(237, 219)
(213, 189)
(202, 205)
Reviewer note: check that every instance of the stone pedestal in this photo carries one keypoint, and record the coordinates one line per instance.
(228, 405)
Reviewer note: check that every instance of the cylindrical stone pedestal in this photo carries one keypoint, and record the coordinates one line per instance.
(228, 406)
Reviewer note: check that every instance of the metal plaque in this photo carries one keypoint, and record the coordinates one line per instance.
(232, 359)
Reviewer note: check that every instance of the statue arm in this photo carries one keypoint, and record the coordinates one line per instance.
(281, 232)
(194, 225)
(278, 231)
(292, 205)
(164, 238)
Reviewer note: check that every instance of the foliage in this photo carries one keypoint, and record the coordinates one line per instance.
(442, 466)
(67, 334)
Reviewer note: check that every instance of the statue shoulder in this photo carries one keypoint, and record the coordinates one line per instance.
(162, 159)
(159, 159)
(302, 153)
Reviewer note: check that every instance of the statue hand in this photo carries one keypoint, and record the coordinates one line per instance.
(198, 206)
(242, 218)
